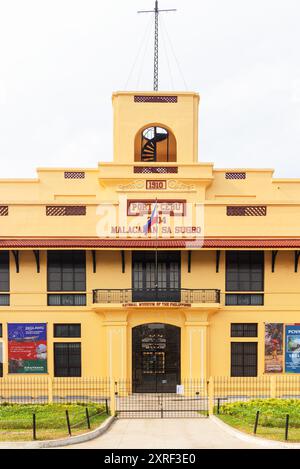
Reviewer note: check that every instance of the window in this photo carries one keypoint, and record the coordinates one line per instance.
(150, 275)
(244, 330)
(4, 300)
(155, 144)
(66, 300)
(153, 363)
(243, 359)
(67, 330)
(244, 300)
(4, 271)
(174, 275)
(138, 275)
(144, 276)
(66, 271)
(244, 271)
(67, 359)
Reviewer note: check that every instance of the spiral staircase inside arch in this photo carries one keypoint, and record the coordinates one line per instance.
(152, 137)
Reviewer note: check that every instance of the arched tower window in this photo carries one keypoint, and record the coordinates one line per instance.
(155, 144)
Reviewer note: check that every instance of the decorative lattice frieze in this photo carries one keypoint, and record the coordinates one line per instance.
(235, 175)
(3, 210)
(155, 170)
(65, 210)
(74, 174)
(247, 211)
(155, 99)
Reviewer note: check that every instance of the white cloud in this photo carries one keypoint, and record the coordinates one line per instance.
(60, 60)
(3, 93)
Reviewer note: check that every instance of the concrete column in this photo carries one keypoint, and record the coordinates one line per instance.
(116, 333)
(196, 353)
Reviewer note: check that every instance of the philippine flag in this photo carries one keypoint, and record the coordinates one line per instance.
(152, 220)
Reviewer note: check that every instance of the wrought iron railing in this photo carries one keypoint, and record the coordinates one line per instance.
(189, 400)
(43, 390)
(183, 295)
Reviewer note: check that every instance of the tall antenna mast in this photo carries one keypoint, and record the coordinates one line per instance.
(156, 12)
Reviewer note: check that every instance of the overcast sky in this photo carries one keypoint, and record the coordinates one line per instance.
(60, 60)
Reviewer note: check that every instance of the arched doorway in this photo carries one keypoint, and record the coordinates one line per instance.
(155, 358)
(155, 144)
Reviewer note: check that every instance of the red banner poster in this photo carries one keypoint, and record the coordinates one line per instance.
(273, 348)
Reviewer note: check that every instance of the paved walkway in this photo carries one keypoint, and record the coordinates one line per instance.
(195, 433)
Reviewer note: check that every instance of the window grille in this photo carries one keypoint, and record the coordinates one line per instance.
(67, 330)
(4, 271)
(66, 271)
(244, 271)
(244, 330)
(67, 359)
(243, 359)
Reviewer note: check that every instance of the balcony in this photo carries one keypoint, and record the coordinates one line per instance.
(180, 296)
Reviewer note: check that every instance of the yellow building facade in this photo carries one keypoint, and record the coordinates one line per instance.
(155, 267)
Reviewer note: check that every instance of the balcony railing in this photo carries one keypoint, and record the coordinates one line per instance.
(129, 295)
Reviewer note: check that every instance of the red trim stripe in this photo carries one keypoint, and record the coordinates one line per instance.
(97, 243)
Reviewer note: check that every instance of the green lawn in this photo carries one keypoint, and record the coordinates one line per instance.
(241, 415)
(16, 420)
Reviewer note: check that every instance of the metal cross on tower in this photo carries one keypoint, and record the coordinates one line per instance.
(156, 12)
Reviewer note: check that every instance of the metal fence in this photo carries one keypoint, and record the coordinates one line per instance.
(81, 390)
(267, 406)
(267, 386)
(183, 295)
(24, 390)
(190, 401)
(43, 390)
(228, 390)
(287, 387)
(193, 398)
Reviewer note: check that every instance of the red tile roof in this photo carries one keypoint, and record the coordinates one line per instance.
(130, 243)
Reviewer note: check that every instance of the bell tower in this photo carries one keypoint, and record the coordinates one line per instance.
(155, 127)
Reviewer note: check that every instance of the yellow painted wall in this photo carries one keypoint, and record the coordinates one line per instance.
(107, 329)
(130, 117)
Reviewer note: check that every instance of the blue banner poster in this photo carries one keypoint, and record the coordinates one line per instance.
(27, 348)
(292, 348)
